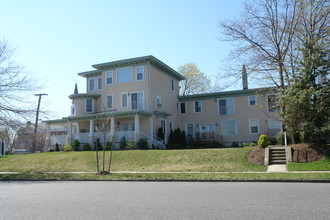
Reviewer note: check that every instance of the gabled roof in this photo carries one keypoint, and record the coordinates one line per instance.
(133, 61)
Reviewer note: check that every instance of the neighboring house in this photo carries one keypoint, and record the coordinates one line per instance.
(134, 97)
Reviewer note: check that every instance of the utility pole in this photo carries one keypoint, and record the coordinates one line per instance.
(36, 124)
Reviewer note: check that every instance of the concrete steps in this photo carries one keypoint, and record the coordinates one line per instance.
(277, 156)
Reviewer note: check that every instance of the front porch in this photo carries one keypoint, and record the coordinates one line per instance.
(110, 127)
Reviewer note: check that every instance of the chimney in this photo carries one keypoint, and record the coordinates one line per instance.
(244, 78)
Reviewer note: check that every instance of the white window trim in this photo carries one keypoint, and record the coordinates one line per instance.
(143, 99)
(111, 101)
(223, 129)
(201, 106)
(276, 110)
(249, 100)
(136, 73)
(97, 83)
(273, 120)
(185, 104)
(233, 106)
(250, 119)
(86, 106)
(159, 97)
(193, 126)
(106, 77)
(89, 83)
(121, 99)
(122, 69)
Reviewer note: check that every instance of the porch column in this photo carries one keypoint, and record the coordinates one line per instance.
(151, 126)
(91, 133)
(47, 141)
(137, 126)
(77, 132)
(112, 126)
(69, 138)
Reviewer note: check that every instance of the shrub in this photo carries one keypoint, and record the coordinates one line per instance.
(234, 144)
(130, 145)
(252, 144)
(262, 141)
(108, 145)
(57, 147)
(244, 145)
(280, 138)
(160, 133)
(76, 145)
(67, 147)
(142, 143)
(51, 150)
(86, 146)
(122, 143)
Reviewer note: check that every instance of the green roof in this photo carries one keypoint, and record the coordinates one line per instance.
(133, 61)
(234, 93)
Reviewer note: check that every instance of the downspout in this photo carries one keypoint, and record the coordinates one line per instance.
(150, 100)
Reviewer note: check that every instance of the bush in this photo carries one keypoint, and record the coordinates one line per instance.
(76, 145)
(67, 147)
(57, 147)
(130, 145)
(142, 143)
(51, 150)
(122, 143)
(234, 144)
(98, 144)
(86, 146)
(252, 144)
(262, 141)
(108, 145)
(160, 133)
(244, 145)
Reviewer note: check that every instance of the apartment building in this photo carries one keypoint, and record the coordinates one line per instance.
(132, 98)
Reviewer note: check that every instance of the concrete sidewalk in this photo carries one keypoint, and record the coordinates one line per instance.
(277, 168)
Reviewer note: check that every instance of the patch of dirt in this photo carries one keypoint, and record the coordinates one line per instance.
(257, 156)
(301, 153)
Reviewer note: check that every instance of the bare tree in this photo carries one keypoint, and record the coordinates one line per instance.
(15, 85)
(263, 34)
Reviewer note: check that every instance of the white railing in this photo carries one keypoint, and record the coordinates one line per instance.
(60, 139)
(82, 137)
(157, 142)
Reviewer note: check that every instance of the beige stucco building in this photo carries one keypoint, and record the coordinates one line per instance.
(134, 97)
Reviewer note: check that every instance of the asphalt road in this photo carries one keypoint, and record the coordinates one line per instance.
(163, 200)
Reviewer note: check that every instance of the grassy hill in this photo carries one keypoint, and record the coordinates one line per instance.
(230, 159)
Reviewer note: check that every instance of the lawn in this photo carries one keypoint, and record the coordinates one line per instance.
(226, 159)
(322, 165)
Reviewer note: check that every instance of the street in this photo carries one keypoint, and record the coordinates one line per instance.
(163, 200)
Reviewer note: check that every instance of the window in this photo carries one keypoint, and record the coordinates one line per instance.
(124, 100)
(163, 126)
(183, 108)
(137, 101)
(229, 127)
(190, 130)
(172, 85)
(198, 106)
(109, 102)
(139, 73)
(252, 100)
(272, 103)
(109, 77)
(89, 106)
(96, 128)
(91, 84)
(99, 83)
(274, 127)
(124, 75)
(72, 110)
(159, 100)
(226, 106)
(254, 125)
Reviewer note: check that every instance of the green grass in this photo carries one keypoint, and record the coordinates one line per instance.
(231, 159)
(322, 165)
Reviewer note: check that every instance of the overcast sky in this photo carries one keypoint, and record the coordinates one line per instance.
(56, 39)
